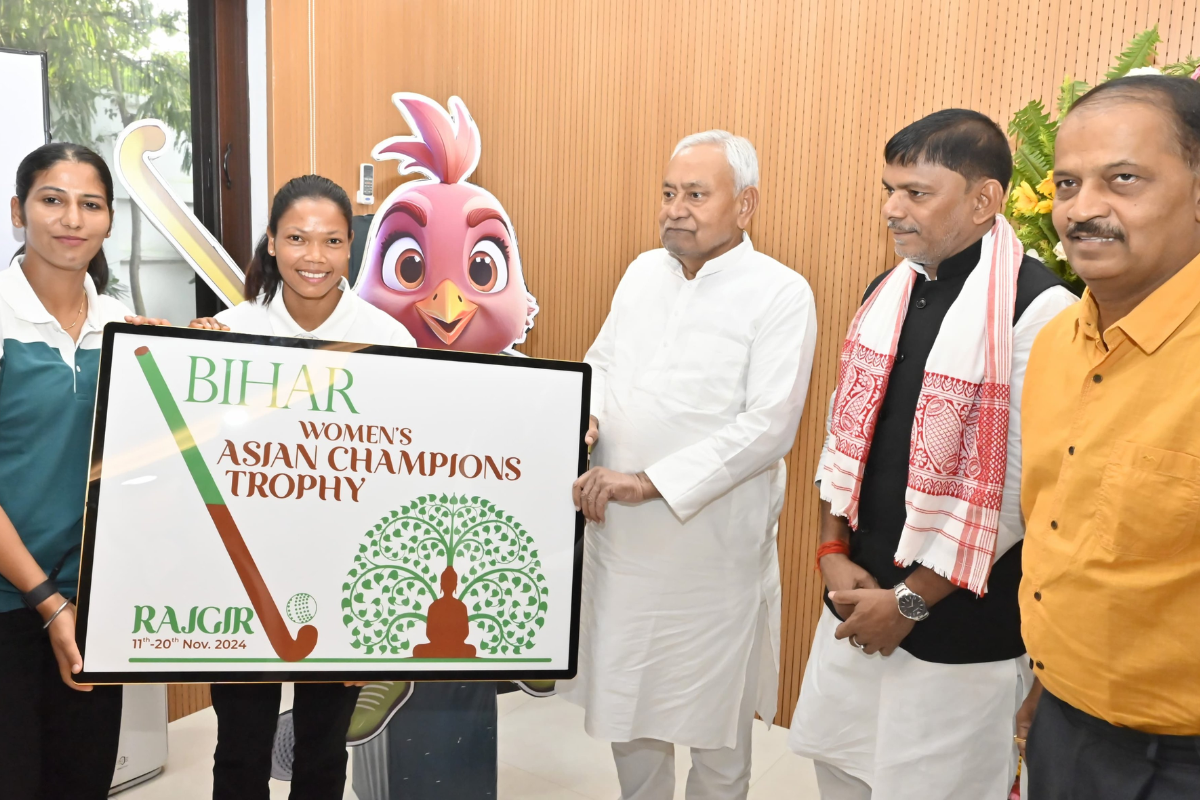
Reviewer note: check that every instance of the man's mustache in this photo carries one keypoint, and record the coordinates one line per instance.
(1096, 229)
(896, 228)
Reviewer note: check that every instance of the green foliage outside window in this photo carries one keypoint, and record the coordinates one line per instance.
(102, 59)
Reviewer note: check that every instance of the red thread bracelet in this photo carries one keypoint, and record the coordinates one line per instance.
(838, 546)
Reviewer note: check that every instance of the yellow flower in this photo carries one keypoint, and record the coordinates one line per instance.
(1044, 207)
(1024, 200)
(1046, 187)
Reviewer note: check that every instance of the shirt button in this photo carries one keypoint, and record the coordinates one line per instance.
(1071, 450)
(1097, 378)
(1037, 595)
(921, 303)
(899, 358)
(1054, 524)
(78, 369)
(1040, 665)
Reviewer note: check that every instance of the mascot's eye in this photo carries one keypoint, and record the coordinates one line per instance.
(488, 266)
(404, 265)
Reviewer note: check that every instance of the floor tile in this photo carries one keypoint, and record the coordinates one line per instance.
(767, 747)
(512, 701)
(544, 755)
(791, 778)
(517, 784)
(545, 737)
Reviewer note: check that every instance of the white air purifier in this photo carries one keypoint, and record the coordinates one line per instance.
(142, 753)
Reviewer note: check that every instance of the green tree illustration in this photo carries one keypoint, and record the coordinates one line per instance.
(395, 576)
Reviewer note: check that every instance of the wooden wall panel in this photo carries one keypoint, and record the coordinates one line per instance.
(186, 698)
(580, 103)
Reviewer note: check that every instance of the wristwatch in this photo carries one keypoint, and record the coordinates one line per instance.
(911, 604)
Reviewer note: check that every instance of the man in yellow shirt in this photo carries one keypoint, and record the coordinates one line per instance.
(1110, 597)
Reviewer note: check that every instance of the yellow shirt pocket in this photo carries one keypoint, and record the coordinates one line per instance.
(1148, 502)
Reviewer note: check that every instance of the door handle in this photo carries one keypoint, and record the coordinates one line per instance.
(225, 165)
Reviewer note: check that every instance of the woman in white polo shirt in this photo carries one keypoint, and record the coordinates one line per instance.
(299, 282)
(57, 739)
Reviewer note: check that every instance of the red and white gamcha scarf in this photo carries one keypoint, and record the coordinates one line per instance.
(959, 448)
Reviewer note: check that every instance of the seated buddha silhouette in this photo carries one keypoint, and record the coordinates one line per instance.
(446, 627)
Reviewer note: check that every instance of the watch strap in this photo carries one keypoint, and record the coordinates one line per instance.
(39, 594)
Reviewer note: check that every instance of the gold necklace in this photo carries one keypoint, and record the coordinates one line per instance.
(78, 316)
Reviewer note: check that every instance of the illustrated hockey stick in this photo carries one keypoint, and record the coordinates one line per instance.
(134, 152)
(285, 646)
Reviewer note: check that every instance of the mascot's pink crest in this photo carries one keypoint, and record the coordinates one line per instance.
(445, 147)
(442, 255)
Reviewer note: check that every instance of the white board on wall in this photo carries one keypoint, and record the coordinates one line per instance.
(26, 127)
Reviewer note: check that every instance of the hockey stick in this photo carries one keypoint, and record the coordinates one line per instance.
(285, 646)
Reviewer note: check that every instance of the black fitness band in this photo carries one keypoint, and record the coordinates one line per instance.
(47, 588)
(39, 594)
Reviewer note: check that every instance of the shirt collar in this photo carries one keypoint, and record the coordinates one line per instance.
(334, 328)
(1087, 317)
(1156, 318)
(726, 260)
(957, 266)
(27, 306)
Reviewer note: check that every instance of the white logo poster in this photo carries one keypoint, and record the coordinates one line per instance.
(282, 509)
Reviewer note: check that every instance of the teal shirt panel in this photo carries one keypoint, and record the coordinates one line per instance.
(46, 417)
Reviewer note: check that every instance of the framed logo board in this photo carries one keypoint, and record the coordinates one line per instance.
(279, 509)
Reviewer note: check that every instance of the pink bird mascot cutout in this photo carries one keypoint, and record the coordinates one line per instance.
(441, 254)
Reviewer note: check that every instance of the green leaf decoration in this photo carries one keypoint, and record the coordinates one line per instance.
(1034, 134)
(493, 554)
(1069, 92)
(1140, 52)
(1028, 121)
(1183, 69)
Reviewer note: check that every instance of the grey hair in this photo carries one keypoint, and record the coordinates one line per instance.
(739, 153)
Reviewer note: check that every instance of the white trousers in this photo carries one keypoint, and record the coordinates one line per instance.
(834, 784)
(907, 729)
(646, 767)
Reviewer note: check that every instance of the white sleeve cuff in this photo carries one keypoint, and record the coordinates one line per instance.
(689, 479)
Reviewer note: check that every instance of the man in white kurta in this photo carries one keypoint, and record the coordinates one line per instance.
(699, 378)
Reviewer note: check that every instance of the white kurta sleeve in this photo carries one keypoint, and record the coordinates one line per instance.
(780, 365)
(600, 355)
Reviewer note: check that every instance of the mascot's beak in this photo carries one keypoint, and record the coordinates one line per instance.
(447, 311)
